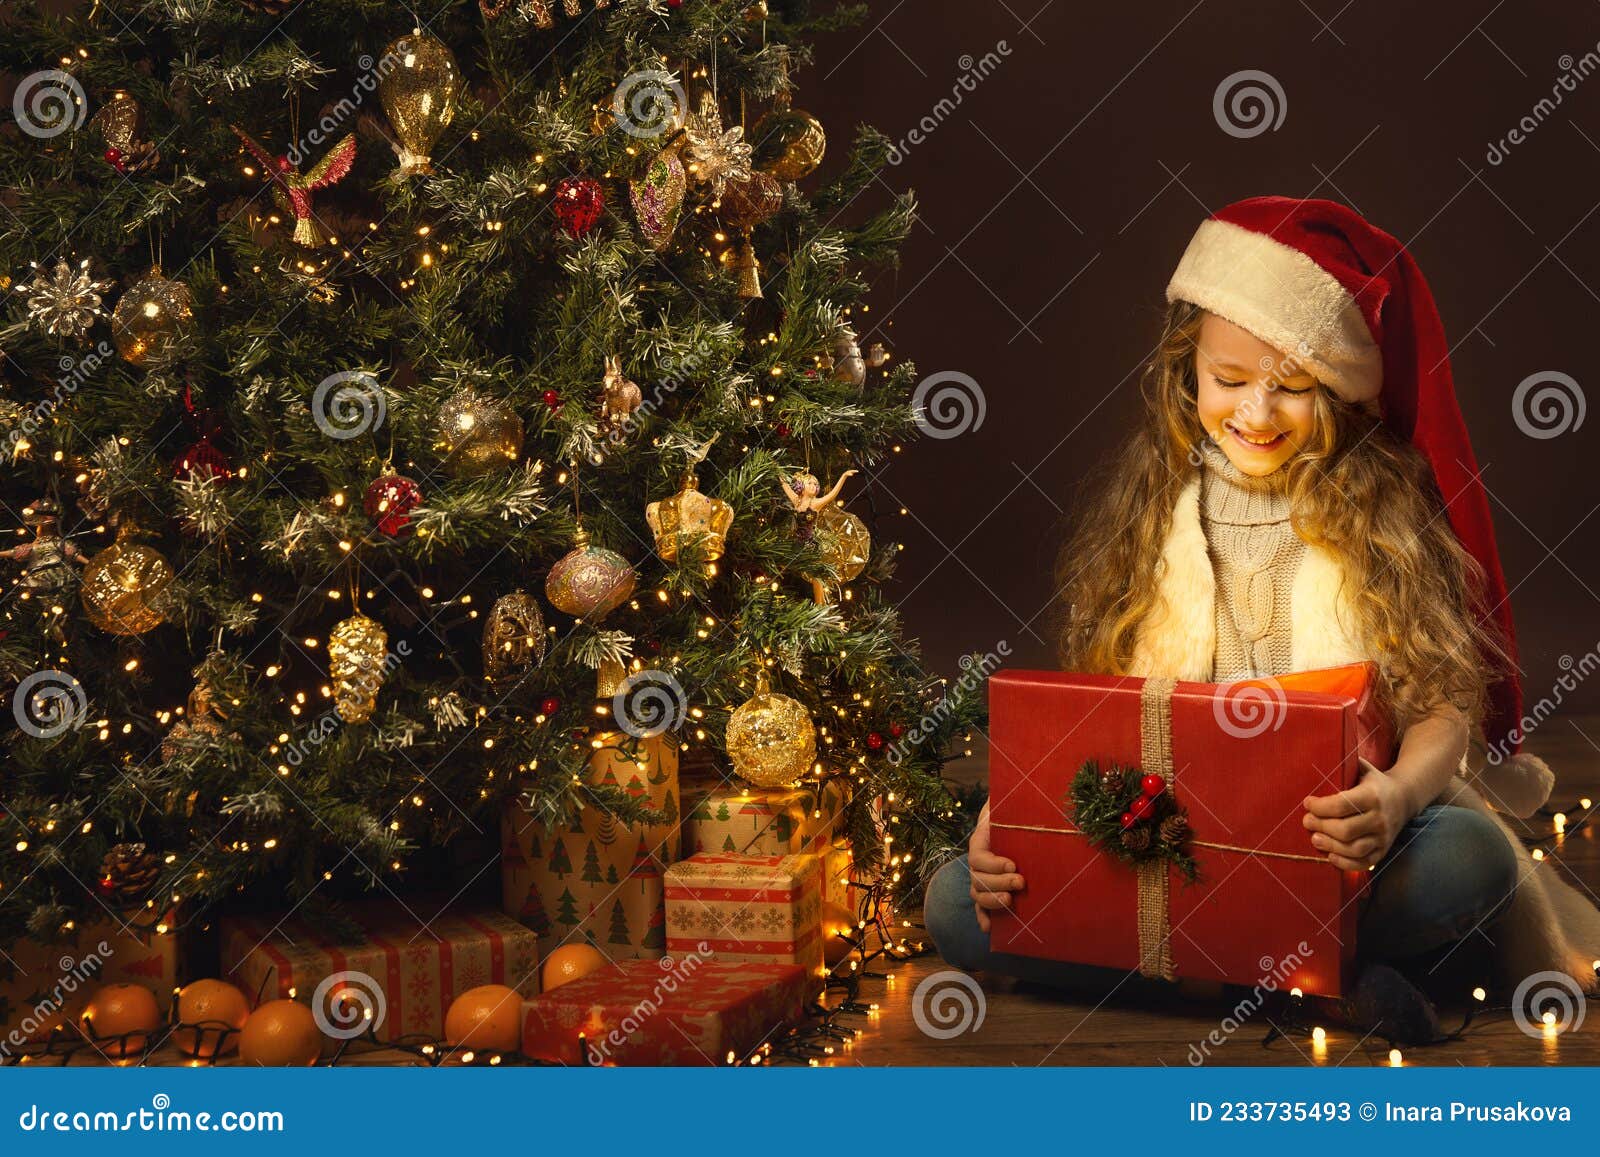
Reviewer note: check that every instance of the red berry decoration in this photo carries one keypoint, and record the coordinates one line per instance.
(781, 429)
(1129, 819)
(1141, 807)
(1152, 785)
(551, 399)
(550, 706)
(113, 157)
(579, 203)
(875, 741)
(390, 499)
(897, 729)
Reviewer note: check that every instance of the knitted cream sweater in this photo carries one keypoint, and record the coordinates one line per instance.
(1254, 555)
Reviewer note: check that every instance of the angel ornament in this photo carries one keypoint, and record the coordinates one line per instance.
(619, 397)
(293, 190)
(809, 502)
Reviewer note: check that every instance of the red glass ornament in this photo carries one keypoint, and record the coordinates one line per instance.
(1128, 819)
(390, 499)
(551, 399)
(578, 205)
(781, 429)
(1152, 785)
(897, 729)
(550, 706)
(875, 741)
(203, 460)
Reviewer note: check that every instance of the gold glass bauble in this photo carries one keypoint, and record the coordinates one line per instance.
(419, 96)
(477, 434)
(688, 520)
(789, 143)
(513, 636)
(122, 584)
(150, 316)
(356, 649)
(771, 738)
(843, 540)
(589, 581)
(746, 204)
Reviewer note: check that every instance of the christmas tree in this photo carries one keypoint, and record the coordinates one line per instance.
(342, 358)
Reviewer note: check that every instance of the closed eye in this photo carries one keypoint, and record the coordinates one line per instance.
(1225, 384)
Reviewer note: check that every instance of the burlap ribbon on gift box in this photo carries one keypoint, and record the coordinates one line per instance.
(1153, 876)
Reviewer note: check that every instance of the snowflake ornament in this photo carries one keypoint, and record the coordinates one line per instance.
(715, 156)
(65, 302)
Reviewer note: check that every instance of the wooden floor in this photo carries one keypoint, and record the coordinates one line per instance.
(1033, 1027)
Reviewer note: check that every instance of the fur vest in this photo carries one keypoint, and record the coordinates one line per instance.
(1549, 925)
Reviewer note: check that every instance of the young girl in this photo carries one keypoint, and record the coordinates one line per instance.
(1302, 494)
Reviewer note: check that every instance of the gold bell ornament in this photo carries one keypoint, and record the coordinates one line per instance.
(771, 738)
(356, 649)
(123, 584)
(513, 636)
(747, 270)
(150, 316)
(690, 520)
(477, 433)
(589, 581)
(419, 96)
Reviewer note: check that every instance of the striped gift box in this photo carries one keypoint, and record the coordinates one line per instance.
(747, 908)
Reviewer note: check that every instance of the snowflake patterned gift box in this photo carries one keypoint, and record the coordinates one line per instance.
(688, 1009)
(748, 907)
(591, 878)
(419, 963)
(764, 821)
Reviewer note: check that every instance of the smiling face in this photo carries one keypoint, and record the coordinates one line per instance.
(1255, 402)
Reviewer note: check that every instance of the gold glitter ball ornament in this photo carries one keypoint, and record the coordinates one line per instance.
(689, 520)
(843, 540)
(356, 649)
(477, 434)
(789, 143)
(513, 636)
(150, 317)
(771, 738)
(419, 96)
(589, 581)
(122, 584)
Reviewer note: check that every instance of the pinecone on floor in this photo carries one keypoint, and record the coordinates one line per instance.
(1136, 839)
(128, 872)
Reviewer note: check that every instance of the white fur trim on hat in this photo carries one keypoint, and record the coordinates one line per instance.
(1286, 299)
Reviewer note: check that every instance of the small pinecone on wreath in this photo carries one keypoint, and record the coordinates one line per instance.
(127, 873)
(1136, 839)
(1111, 780)
(1174, 829)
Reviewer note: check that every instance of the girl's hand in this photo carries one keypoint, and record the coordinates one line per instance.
(1356, 827)
(994, 877)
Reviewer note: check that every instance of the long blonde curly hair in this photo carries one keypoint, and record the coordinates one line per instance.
(1355, 489)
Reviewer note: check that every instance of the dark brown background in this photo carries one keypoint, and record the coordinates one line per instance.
(1058, 196)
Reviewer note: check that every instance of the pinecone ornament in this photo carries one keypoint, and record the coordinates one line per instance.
(128, 872)
(1174, 829)
(1111, 780)
(1136, 839)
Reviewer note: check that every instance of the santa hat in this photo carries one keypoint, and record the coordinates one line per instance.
(1314, 280)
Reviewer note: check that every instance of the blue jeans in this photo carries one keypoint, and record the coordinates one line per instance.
(1449, 871)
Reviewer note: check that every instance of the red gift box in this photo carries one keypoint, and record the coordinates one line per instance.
(1241, 758)
(688, 1010)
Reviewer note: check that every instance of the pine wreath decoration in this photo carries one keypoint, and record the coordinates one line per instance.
(1132, 816)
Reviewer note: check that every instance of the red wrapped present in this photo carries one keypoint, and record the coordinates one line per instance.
(679, 1010)
(410, 969)
(1238, 758)
(755, 908)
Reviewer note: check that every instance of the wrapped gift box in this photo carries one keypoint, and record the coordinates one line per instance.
(747, 908)
(46, 983)
(419, 968)
(637, 1012)
(1240, 757)
(594, 879)
(766, 821)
